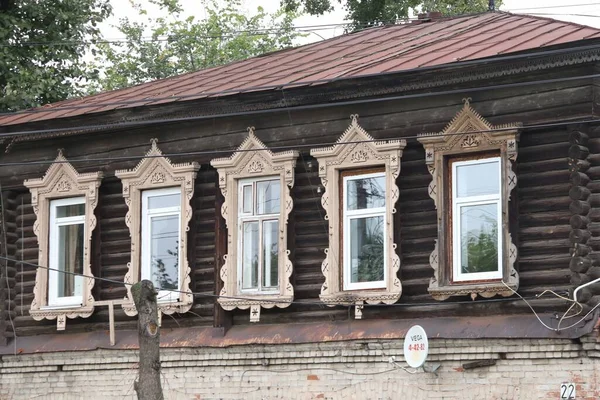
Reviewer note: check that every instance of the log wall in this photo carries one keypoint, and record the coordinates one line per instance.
(541, 220)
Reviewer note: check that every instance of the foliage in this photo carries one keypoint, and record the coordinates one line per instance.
(178, 45)
(42, 44)
(365, 13)
(482, 249)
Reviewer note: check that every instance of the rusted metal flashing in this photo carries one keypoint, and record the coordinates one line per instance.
(496, 327)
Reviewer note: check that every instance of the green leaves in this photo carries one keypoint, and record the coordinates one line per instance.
(42, 44)
(364, 13)
(178, 45)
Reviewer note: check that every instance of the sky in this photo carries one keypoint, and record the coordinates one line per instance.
(586, 12)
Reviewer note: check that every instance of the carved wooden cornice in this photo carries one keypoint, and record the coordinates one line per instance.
(253, 159)
(470, 133)
(60, 181)
(155, 171)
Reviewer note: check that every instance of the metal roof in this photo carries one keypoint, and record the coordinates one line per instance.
(392, 48)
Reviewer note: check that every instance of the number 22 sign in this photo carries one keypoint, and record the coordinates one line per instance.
(567, 391)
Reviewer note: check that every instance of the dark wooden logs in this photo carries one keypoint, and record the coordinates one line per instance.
(582, 201)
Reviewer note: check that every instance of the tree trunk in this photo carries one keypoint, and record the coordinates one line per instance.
(148, 385)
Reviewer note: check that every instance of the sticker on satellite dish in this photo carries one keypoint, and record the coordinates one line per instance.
(416, 346)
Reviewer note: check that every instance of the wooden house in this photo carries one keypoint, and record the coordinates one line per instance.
(299, 211)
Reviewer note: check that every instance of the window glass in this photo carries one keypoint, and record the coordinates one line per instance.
(72, 210)
(270, 252)
(250, 255)
(164, 250)
(164, 201)
(366, 249)
(365, 193)
(70, 259)
(247, 199)
(479, 238)
(478, 179)
(267, 197)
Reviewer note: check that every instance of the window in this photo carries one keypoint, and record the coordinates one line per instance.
(64, 202)
(256, 187)
(476, 223)
(158, 195)
(364, 244)
(258, 221)
(161, 235)
(471, 165)
(67, 226)
(359, 176)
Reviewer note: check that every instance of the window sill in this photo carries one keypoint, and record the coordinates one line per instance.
(488, 289)
(164, 306)
(62, 307)
(60, 313)
(245, 300)
(359, 296)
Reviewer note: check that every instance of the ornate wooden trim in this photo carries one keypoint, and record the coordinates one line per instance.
(366, 152)
(154, 172)
(251, 160)
(60, 181)
(470, 133)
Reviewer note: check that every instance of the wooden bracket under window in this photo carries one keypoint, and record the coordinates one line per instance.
(155, 171)
(253, 159)
(469, 134)
(62, 181)
(357, 150)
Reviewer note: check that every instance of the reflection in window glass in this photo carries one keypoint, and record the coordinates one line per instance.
(247, 199)
(478, 179)
(164, 201)
(479, 238)
(70, 259)
(267, 196)
(270, 252)
(366, 193)
(366, 249)
(71, 210)
(250, 255)
(259, 241)
(164, 251)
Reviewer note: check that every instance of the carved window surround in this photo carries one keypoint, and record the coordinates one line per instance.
(253, 160)
(154, 172)
(62, 181)
(332, 160)
(469, 133)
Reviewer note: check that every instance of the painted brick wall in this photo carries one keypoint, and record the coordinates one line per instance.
(524, 369)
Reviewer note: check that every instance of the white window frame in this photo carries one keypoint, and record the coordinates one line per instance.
(164, 296)
(252, 217)
(155, 171)
(253, 160)
(457, 204)
(54, 275)
(349, 215)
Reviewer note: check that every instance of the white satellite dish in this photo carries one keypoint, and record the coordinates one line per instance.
(416, 346)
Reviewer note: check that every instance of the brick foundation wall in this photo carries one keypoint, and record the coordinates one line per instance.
(523, 369)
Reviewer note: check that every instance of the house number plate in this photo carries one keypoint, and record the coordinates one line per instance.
(567, 391)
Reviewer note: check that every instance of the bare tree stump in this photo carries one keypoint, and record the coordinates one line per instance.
(148, 385)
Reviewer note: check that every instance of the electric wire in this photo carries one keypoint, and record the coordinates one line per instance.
(558, 328)
(280, 86)
(294, 302)
(557, 6)
(276, 30)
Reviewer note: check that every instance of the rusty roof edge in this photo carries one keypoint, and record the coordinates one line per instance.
(557, 50)
(490, 327)
(454, 77)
